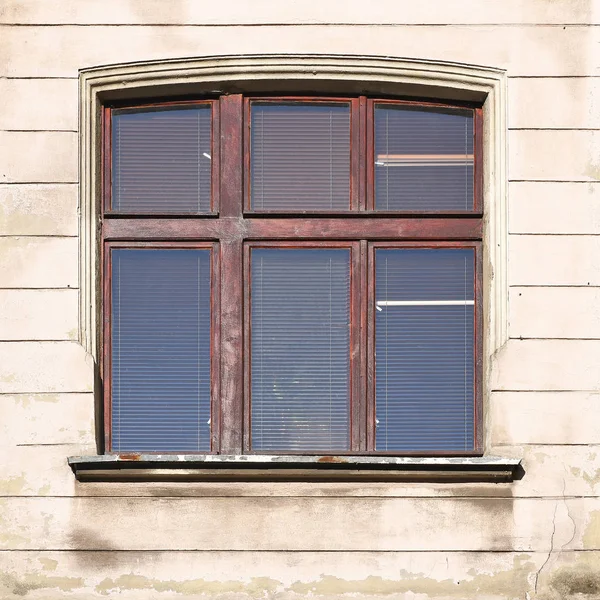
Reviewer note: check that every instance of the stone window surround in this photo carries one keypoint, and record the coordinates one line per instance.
(350, 74)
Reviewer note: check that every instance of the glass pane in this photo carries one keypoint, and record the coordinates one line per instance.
(424, 348)
(300, 156)
(423, 158)
(300, 349)
(161, 160)
(160, 350)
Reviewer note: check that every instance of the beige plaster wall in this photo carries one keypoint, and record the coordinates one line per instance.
(535, 538)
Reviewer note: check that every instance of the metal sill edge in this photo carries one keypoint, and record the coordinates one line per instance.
(208, 467)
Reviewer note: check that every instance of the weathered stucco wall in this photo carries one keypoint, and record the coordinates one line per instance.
(535, 538)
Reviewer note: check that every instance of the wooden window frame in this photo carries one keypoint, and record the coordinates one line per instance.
(231, 229)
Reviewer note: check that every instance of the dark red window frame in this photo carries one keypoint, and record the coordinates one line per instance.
(231, 229)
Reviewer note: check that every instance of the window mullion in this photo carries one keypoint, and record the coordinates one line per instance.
(370, 349)
(356, 155)
(369, 152)
(360, 149)
(231, 305)
(361, 399)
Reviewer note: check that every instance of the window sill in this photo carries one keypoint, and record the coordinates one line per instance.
(205, 467)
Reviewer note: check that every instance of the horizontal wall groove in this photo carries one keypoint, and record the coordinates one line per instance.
(291, 499)
(554, 234)
(542, 444)
(553, 181)
(41, 445)
(546, 392)
(27, 340)
(557, 182)
(553, 76)
(530, 286)
(42, 77)
(44, 183)
(566, 391)
(546, 338)
(549, 129)
(40, 130)
(355, 497)
(35, 235)
(17, 183)
(307, 24)
(39, 288)
(550, 285)
(43, 394)
(280, 551)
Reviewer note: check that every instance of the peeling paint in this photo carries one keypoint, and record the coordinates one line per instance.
(592, 478)
(13, 486)
(8, 378)
(48, 564)
(507, 585)
(54, 398)
(21, 586)
(12, 540)
(44, 490)
(257, 587)
(591, 537)
(593, 171)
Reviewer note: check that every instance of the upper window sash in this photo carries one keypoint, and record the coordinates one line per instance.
(402, 177)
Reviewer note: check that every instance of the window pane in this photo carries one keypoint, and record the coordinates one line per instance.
(160, 350)
(300, 156)
(423, 158)
(300, 349)
(161, 160)
(424, 349)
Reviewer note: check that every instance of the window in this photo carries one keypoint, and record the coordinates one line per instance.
(293, 275)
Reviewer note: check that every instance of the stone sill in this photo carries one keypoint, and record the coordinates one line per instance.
(260, 467)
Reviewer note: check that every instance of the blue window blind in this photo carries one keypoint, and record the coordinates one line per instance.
(161, 160)
(160, 334)
(423, 158)
(300, 156)
(424, 330)
(300, 345)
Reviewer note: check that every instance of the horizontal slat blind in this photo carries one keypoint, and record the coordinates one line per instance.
(161, 160)
(423, 158)
(160, 350)
(300, 156)
(300, 344)
(424, 349)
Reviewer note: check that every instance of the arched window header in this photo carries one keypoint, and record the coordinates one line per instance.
(384, 76)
